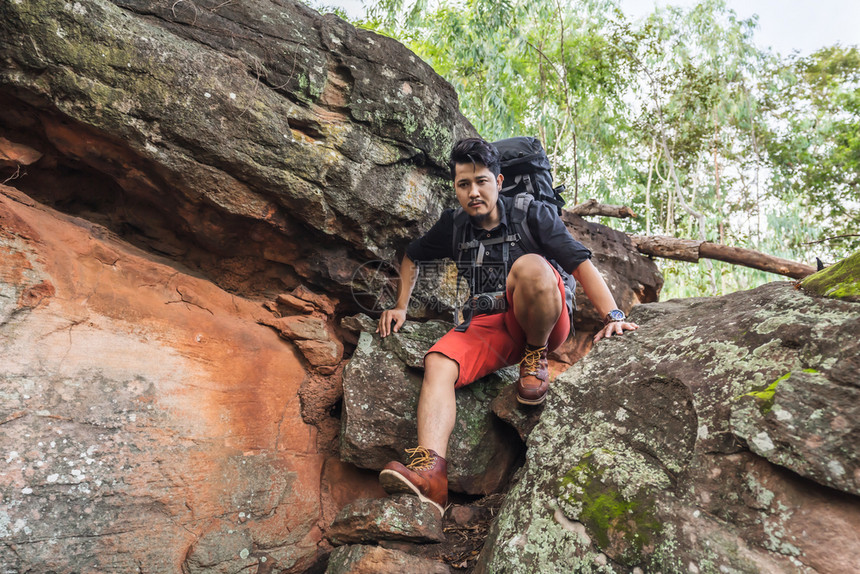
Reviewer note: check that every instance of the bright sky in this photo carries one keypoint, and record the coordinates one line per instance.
(784, 25)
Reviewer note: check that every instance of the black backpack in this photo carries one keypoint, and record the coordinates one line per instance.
(526, 168)
(527, 177)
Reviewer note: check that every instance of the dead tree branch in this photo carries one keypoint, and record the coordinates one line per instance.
(693, 250)
(592, 207)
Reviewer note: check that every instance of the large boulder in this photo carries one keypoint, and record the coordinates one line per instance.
(719, 437)
(148, 419)
(381, 385)
(209, 156)
(257, 142)
(153, 418)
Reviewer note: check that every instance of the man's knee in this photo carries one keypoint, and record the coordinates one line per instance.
(439, 368)
(532, 271)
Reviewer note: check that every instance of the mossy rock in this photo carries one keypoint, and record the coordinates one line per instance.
(671, 448)
(840, 281)
(622, 526)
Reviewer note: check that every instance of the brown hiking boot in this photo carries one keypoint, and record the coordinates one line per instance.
(425, 476)
(534, 376)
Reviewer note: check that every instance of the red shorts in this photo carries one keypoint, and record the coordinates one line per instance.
(495, 341)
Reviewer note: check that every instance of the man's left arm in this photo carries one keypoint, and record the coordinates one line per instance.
(598, 293)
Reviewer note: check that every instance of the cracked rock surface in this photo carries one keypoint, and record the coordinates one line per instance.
(727, 445)
(381, 386)
(257, 142)
(401, 517)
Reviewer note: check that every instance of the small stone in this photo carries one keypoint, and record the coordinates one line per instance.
(358, 559)
(359, 323)
(464, 515)
(300, 327)
(292, 302)
(14, 154)
(320, 353)
(321, 302)
(401, 517)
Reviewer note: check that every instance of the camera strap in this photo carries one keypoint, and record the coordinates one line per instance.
(478, 261)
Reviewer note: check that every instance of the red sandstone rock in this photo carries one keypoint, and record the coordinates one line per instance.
(295, 304)
(14, 154)
(321, 353)
(148, 417)
(343, 483)
(321, 302)
(300, 327)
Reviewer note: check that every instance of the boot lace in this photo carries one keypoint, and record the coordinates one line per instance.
(531, 360)
(422, 459)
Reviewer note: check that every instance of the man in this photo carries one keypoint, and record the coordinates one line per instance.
(535, 319)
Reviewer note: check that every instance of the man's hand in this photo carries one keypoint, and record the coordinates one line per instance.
(389, 316)
(615, 328)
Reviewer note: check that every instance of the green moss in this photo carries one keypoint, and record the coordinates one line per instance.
(840, 281)
(626, 524)
(765, 397)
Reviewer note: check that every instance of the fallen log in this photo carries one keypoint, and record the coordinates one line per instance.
(693, 250)
(592, 207)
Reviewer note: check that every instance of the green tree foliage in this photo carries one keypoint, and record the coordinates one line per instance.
(678, 115)
(814, 140)
(537, 67)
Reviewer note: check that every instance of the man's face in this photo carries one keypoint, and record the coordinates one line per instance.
(477, 189)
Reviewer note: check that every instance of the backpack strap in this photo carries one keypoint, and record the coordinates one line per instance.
(458, 245)
(458, 238)
(520, 222)
(476, 249)
(520, 180)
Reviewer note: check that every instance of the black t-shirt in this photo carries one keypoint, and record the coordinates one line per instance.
(547, 228)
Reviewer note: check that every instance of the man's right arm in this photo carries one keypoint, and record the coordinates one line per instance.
(397, 314)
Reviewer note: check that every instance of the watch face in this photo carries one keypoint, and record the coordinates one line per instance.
(616, 315)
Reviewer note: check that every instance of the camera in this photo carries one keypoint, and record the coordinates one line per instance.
(485, 304)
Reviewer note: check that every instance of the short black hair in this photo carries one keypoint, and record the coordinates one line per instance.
(475, 151)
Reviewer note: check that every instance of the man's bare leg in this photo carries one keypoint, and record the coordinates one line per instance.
(534, 291)
(427, 474)
(437, 408)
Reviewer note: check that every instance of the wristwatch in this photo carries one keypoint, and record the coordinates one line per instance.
(614, 316)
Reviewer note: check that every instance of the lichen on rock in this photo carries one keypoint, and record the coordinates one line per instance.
(658, 450)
